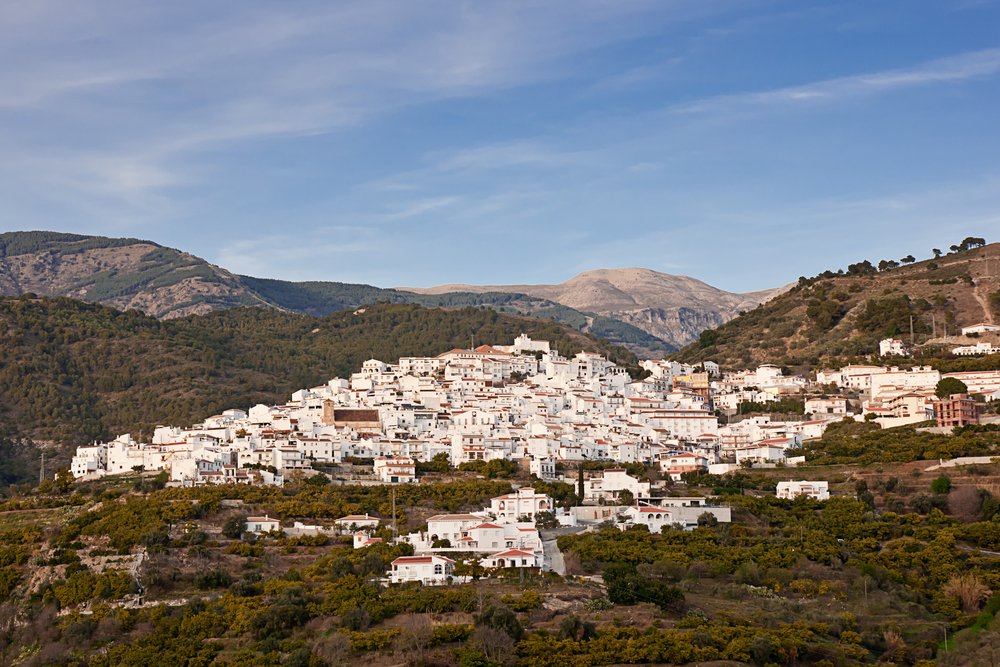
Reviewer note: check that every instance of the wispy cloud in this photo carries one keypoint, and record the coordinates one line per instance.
(510, 154)
(334, 244)
(419, 207)
(149, 87)
(963, 67)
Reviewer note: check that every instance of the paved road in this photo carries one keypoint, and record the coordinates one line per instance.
(553, 557)
(550, 548)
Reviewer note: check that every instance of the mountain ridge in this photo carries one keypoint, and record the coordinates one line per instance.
(653, 313)
(671, 307)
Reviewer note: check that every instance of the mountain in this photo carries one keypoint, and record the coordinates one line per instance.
(836, 316)
(675, 309)
(321, 298)
(166, 283)
(123, 273)
(72, 371)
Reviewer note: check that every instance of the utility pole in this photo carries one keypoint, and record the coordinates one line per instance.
(911, 330)
(41, 470)
(933, 325)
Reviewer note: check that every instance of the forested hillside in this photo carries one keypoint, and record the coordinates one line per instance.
(131, 273)
(321, 298)
(879, 574)
(837, 315)
(71, 371)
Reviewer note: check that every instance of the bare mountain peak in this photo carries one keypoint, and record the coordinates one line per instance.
(672, 307)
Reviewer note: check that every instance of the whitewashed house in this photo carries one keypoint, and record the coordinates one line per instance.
(524, 504)
(676, 464)
(543, 467)
(816, 490)
(262, 524)
(356, 521)
(654, 518)
(610, 484)
(980, 328)
(396, 470)
(892, 347)
(768, 451)
(836, 405)
(363, 539)
(973, 350)
(431, 570)
(512, 558)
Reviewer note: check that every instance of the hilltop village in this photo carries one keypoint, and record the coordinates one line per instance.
(525, 403)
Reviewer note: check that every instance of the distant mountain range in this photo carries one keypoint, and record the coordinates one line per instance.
(651, 313)
(675, 309)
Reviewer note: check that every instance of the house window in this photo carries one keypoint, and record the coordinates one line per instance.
(437, 569)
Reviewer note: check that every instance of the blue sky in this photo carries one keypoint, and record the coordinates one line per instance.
(402, 142)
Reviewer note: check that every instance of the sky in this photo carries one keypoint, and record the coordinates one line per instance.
(419, 142)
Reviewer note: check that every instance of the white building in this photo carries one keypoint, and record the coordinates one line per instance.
(543, 467)
(430, 570)
(973, 350)
(895, 379)
(363, 539)
(836, 405)
(816, 490)
(89, 460)
(396, 470)
(892, 347)
(355, 521)
(679, 516)
(512, 558)
(522, 505)
(262, 524)
(980, 328)
(610, 484)
(768, 451)
(676, 464)
(446, 527)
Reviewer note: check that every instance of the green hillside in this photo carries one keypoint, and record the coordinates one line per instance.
(843, 315)
(321, 298)
(71, 371)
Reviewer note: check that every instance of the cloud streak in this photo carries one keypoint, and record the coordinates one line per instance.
(963, 67)
(149, 88)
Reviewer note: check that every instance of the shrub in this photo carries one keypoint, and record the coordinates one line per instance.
(969, 590)
(213, 579)
(941, 485)
(233, 528)
(501, 617)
